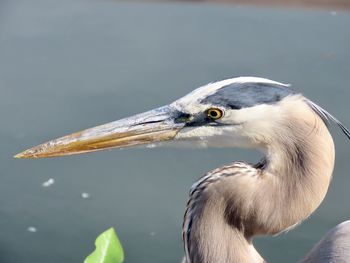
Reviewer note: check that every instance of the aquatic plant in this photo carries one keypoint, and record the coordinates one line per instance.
(108, 249)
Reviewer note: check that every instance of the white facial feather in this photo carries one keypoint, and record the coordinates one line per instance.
(246, 128)
(241, 128)
(207, 136)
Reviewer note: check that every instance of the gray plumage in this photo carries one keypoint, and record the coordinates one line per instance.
(334, 246)
(243, 95)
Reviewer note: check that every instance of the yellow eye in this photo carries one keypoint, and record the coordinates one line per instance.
(214, 113)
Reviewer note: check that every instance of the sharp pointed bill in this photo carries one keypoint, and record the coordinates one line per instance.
(145, 128)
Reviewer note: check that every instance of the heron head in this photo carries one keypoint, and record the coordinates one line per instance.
(234, 112)
(238, 112)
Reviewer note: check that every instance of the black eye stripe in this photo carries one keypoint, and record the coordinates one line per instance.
(234, 107)
(244, 95)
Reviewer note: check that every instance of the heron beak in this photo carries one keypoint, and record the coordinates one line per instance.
(146, 128)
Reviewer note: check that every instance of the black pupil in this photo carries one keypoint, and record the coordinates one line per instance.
(213, 113)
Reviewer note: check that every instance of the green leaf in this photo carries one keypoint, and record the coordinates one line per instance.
(108, 249)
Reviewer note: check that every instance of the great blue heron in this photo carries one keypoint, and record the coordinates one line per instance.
(232, 204)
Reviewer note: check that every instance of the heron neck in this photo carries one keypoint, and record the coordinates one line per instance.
(209, 236)
(298, 171)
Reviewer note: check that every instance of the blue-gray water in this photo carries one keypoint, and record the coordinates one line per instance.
(67, 65)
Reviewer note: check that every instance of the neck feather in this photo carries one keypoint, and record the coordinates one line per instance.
(298, 170)
(208, 236)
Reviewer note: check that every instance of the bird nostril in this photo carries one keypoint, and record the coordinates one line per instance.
(182, 117)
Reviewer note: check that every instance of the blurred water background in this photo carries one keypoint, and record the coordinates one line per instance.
(72, 64)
